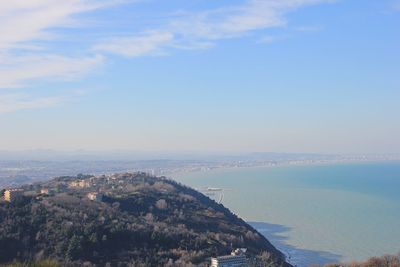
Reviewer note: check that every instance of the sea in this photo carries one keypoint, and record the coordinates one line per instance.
(314, 214)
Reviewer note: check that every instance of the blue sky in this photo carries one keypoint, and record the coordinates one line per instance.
(237, 75)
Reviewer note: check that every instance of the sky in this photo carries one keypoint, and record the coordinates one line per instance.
(319, 76)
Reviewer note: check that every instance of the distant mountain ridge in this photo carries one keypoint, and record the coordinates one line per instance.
(141, 220)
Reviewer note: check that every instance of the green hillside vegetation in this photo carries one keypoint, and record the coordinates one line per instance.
(141, 221)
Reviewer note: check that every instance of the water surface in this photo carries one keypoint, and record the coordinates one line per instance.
(315, 214)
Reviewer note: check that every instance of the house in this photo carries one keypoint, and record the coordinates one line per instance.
(46, 191)
(95, 196)
(11, 195)
(236, 259)
(80, 183)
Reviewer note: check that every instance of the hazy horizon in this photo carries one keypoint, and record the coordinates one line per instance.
(229, 156)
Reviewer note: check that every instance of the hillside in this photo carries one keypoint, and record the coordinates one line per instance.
(383, 261)
(140, 221)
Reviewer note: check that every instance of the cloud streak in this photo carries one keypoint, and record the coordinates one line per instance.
(134, 46)
(15, 102)
(201, 30)
(23, 69)
(27, 27)
(26, 21)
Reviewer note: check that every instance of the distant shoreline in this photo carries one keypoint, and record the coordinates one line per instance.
(14, 173)
(283, 164)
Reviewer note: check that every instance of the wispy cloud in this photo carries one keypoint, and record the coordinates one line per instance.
(134, 46)
(25, 21)
(194, 30)
(236, 21)
(16, 71)
(29, 28)
(15, 102)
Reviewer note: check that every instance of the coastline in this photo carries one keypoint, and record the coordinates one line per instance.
(313, 221)
(275, 233)
(179, 174)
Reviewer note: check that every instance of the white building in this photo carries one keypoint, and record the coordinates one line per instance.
(46, 191)
(95, 196)
(236, 259)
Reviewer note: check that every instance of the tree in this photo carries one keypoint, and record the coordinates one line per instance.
(74, 248)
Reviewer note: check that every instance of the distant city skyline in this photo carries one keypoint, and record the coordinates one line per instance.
(303, 76)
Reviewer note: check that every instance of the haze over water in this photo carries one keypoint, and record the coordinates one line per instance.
(316, 214)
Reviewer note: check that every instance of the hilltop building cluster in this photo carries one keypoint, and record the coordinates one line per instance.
(95, 187)
(80, 184)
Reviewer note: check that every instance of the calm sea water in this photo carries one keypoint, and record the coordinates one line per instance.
(315, 214)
